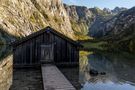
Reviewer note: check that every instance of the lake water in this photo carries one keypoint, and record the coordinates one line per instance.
(17, 79)
(118, 70)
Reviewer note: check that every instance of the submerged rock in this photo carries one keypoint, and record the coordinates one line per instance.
(93, 72)
(103, 73)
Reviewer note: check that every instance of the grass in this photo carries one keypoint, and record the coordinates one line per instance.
(82, 53)
(97, 45)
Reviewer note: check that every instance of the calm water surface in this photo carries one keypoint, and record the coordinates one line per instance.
(119, 69)
(17, 79)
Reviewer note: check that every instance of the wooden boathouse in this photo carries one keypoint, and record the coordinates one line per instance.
(45, 46)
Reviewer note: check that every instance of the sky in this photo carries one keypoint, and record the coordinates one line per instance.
(102, 3)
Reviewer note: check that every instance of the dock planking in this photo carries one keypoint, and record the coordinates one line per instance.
(53, 79)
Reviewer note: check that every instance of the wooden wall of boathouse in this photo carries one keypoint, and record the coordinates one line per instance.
(28, 52)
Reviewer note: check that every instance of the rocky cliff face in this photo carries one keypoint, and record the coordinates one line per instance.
(19, 18)
(105, 15)
(117, 10)
(83, 18)
(119, 23)
(120, 30)
(87, 21)
(101, 16)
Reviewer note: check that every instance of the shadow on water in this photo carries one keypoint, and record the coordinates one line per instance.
(72, 74)
(112, 70)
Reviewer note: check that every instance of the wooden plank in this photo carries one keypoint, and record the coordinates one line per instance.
(53, 79)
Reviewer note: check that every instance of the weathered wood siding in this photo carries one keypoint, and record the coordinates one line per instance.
(28, 53)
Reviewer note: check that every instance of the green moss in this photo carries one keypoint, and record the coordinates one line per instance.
(32, 19)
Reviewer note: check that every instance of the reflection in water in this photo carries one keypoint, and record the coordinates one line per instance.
(119, 71)
(27, 79)
(6, 65)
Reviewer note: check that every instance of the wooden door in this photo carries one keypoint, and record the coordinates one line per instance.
(47, 53)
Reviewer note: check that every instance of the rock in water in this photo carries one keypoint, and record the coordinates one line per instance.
(103, 73)
(93, 72)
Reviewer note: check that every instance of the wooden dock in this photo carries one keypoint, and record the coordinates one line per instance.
(53, 79)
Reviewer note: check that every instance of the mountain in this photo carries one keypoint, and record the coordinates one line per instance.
(85, 22)
(19, 18)
(101, 16)
(117, 10)
(114, 11)
(120, 29)
(107, 10)
(96, 29)
(83, 18)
